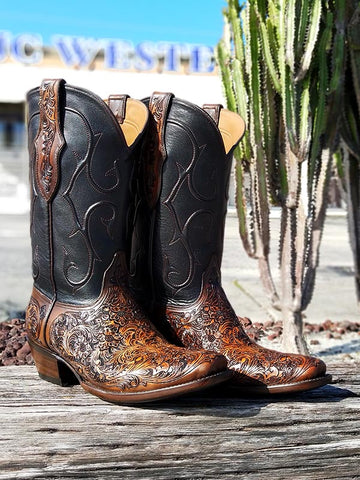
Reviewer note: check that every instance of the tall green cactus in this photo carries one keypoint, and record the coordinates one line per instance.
(350, 133)
(281, 63)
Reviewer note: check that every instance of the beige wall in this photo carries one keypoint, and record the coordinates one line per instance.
(16, 79)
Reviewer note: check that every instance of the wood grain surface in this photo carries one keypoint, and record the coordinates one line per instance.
(49, 432)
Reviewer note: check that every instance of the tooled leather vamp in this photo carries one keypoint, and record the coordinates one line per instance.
(212, 324)
(113, 344)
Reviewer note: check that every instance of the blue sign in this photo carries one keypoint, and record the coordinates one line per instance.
(117, 54)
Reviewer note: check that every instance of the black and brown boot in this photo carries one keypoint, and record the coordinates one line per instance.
(181, 210)
(83, 324)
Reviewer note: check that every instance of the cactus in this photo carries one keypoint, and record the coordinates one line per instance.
(350, 134)
(281, 63)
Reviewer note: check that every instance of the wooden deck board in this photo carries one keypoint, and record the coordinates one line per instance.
(49, 432)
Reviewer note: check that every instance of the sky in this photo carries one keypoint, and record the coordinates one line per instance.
(188, 21)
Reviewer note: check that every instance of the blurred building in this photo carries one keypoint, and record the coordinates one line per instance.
(104, 66)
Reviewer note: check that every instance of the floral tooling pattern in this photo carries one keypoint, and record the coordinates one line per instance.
(33, 318)
(212, 324)
(113, 343)
(49, 140)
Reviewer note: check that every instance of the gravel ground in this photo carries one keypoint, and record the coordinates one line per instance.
(333, 341)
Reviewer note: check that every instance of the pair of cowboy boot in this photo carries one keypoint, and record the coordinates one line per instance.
(84, 325)
(89, 161)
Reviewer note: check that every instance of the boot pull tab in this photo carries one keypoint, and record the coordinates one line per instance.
(213, 110)
(158, 106)
(117, 104)
(49, 140)
(156, 150)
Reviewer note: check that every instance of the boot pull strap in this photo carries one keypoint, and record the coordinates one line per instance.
(49, 140)
(213, 110)
(156, 150)
(117, 104)
(158, 106)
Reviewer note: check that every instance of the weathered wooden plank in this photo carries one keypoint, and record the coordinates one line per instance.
(53, 432)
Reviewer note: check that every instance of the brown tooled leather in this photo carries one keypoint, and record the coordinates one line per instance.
(211, 323)
(50, 140)
(155, 151)
(111, 344)
(37, 312)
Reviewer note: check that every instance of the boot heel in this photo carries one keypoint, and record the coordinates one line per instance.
(50, 368)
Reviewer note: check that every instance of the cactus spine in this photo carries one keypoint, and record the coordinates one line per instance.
(281, 64)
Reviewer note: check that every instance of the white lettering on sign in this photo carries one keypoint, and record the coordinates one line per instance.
(78, 52)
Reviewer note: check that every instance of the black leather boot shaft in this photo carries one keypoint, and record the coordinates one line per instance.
(190, 208)
(79, 204)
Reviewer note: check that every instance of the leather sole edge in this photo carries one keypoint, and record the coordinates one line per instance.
(295, 387)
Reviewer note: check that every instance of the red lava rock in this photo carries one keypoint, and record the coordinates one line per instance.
(317, 328)
(17, 345)
(8, 361)
(245, 321)
(327, 324)
(253, 330)
(273, 329)
(28, 359)
(17, 321)
(23, 351)
(14, 348)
